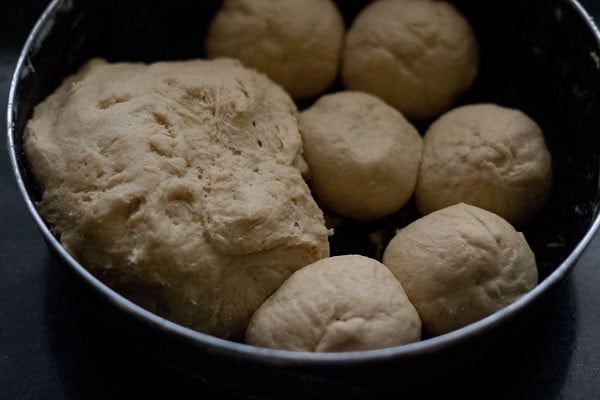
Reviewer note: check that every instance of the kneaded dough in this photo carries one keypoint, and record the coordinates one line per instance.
(176, 183)
(297, 43)
(459, 265)
(343, 303)
(417, 55)
(488, 156)
(363, 155)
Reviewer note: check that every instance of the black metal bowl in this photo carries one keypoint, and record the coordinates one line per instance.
(542, 56)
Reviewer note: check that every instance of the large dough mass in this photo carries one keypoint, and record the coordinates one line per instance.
(179, 184)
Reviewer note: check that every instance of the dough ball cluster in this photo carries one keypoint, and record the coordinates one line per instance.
(176, 183)
(363, 155)
(417, 55)
(488, 156)
(297, 43)
(181, 184)
(343, 303)
(459, 265)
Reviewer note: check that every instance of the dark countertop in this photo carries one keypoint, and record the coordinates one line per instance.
(50, 348)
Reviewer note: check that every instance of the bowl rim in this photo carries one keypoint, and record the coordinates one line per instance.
(225, 347)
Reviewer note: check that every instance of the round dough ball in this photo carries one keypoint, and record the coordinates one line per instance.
(344, 303)
(175, 183)
(297, 44)
(459, 265)
(488, 156)
(417, 55)
(363, 155)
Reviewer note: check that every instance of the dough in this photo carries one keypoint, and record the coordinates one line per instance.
(363, 155)
(296, 43)
(459, 265)
(488, 156)
(176, 184)
(417, 55)
(343, 303)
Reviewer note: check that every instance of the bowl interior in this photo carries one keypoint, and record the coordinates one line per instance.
(539, 56)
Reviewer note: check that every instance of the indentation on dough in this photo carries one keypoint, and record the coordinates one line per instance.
(177, 213)
(201, 95)
(170, 82)
(181, 194)
(106, 103)
(278, 139)
(114, 180)
(243, 89)
(163, 120)
(340, 333)
(162, 145)
(178, 207)
(106, 149)
(134, 205)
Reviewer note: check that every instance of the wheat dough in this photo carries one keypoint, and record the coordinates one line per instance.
(488, 156)
(363, 155)
(460, 264)
(343, 303)
(298, 44)
(417, 55)
(177, 184)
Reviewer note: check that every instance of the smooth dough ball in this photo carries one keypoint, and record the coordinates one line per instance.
(459, 265)
(488, 156)
(344, 303)
(176, 184)
(363, 155)
(417, 55)
(296, 43)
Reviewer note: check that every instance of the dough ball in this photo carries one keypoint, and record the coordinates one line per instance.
(176, 184)
(344, 303)
(488, 156)
(459, 265)
(363, 155)
(296, 43)
(417, 55)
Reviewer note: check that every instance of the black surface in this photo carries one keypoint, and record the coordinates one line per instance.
(50, 348)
